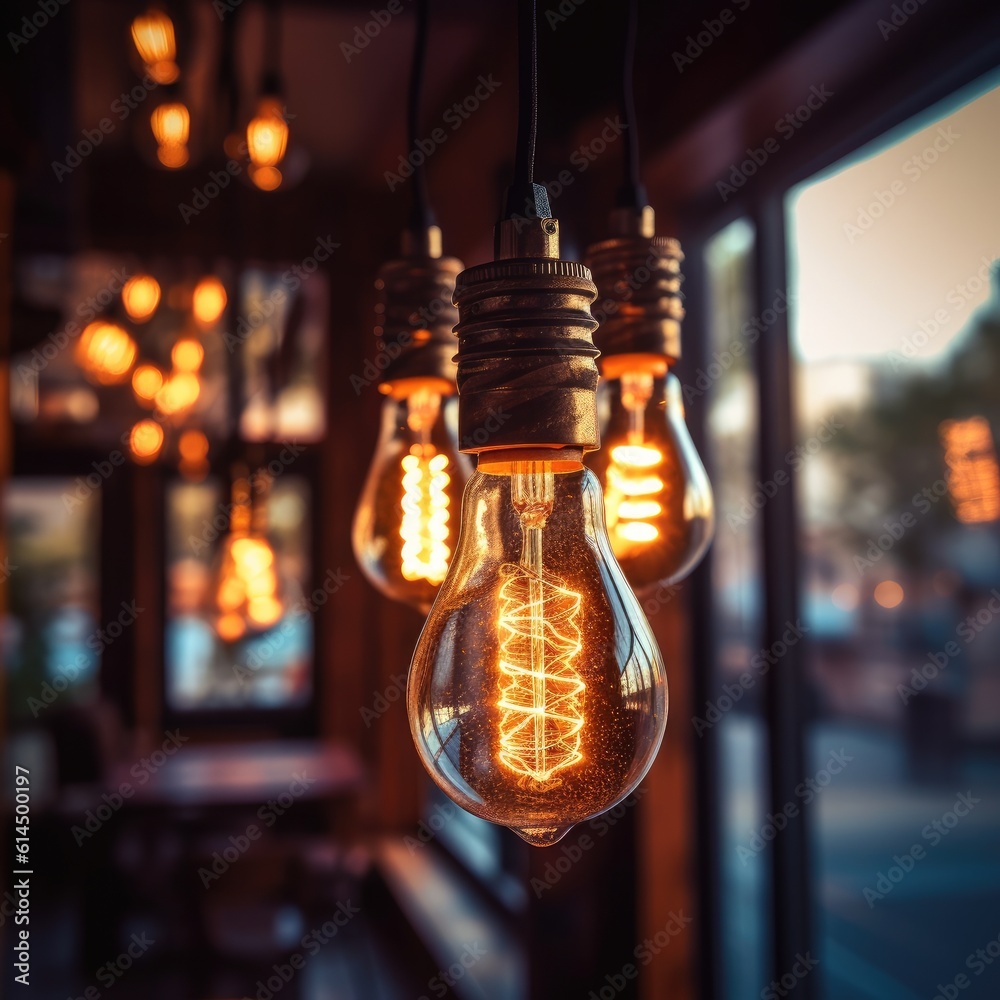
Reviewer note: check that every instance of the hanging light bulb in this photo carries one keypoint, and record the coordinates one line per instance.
(153, 34)
(537, 696)
(193, 450)
(179, 392)
(146, 383)
(267, 130)
(660, 510)
(145, 441)
(247, 588)
(407, 517)
(209, 300)
(187, 354)
(105, 352)
(141, 296)
(171, 125)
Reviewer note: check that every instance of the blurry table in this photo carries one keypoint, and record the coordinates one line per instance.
(235, 774)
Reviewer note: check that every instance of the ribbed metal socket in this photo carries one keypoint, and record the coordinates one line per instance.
(415, 317)
(527, 372)
(638, 278)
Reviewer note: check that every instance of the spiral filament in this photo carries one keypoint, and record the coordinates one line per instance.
(424, 527)
(541, 698)
(632, 483)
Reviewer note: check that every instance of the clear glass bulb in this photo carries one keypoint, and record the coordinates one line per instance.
(537, 696)
(407, 518)
(658, 498)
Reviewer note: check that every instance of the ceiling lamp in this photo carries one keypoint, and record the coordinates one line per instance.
(537, 697)
(141, 296)
(406, 522)
(171, 125)
(153, 34)
(657, 494)
(267, 131)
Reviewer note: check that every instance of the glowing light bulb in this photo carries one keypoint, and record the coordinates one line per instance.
(267, 133)
(193, 449)
(209, 300)
(171, 125)
(179, 392)
(537, 696)
(404, 528)
(266, 178)
(247, 589)
(141, 296)
(660, 509)
(187, 354)
(153, 34)
(146, 383)
(658, 499)
(106, 352)
(145, 441)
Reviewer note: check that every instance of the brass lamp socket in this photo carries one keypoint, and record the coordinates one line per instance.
(414, 315)
(638, 278)
(527, 371)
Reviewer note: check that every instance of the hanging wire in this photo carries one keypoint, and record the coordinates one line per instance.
(421, 215)
(527, 93)
(631, 194)
(272, 49)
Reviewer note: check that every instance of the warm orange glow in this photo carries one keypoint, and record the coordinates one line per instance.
(209, 300)
(193, 446)
(541, 698)
(424, 527)
(230, 627)
(267, 134)
(248, 587)
(973, 473)
(141, 296)
(145, 441)
(187, 354)
(106, 352)
(845, 596)
(165, 71)
(171, 123)
(146, 382)
(153, 34)
(889, 594)
(180, 391)
(266, 178)
(631, 488)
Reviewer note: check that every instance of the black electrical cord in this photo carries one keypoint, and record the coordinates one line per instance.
(631, 194)
(524, 197)
(271, 80)
(421, 215)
